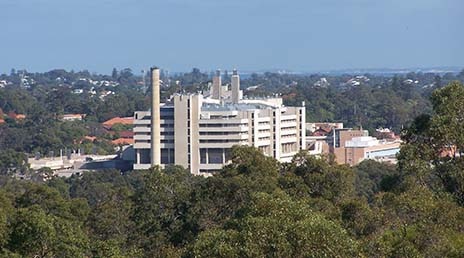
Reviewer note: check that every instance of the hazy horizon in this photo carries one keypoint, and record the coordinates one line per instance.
(253, 35)
(379, 70)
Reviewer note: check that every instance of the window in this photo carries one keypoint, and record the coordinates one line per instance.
(215, 156)
(166, 157)
(203, 156)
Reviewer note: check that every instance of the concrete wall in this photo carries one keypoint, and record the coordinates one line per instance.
(181, 125)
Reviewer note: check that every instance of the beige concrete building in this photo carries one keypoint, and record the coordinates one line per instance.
(198, 131)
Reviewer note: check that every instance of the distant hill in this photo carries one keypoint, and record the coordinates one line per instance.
(392, 71)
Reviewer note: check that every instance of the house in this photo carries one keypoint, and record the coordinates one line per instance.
(322, 132)
(15, 116)
(72, 117)
(118, 120)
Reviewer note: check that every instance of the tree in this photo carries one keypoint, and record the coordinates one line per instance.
(218, 243)
(125, 75)
(35, 233)
(447, 122)
(6, 214)
(325, 180)
(276, 226)
(161, 207)
(417, 222)
(224, 196)
(358, 218)
(435, 144)
(114, 74)
(373, 177)
(12, 161)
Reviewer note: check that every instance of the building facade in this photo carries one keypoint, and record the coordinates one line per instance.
(198, 131)
(350, 146)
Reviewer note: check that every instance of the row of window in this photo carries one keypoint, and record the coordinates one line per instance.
(288, 136)
(162, 141)
(222, 141)
(167, 156)
(223, 133)
(214, 155)
(288, 121)
(221, 125)
(162, 116)
(168, 125)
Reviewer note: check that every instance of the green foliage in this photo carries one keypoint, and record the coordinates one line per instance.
(419, 223)
(52, 96)
(36, 233)
(329, 181)
(359, 218)
(254, 207)
(160, 210)
(373, 177)
(277, 226)
(6, 210)
(218, 243)
(12, 161)
(222, 197)
(433, 153)
(120, 127)
(452, 176)
(447, 122)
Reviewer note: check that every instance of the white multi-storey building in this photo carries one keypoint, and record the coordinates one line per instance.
(198, 131)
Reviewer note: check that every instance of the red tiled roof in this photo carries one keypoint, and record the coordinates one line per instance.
(13, 115)
(119, 120)
(320, 132)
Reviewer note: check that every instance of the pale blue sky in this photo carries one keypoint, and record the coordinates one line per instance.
(302, 35)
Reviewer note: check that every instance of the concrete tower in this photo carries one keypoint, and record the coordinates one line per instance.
(217, 85)
(155, 117)
(235, 80)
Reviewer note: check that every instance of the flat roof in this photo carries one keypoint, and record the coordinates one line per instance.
(233, 107)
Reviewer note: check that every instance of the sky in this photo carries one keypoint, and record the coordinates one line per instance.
(177, 35)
